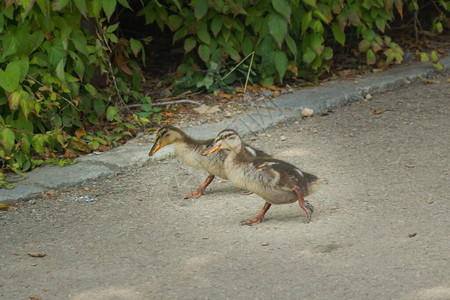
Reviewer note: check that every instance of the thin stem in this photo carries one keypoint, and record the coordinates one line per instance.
(236, 66)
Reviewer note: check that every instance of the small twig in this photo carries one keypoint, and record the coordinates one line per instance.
(108, 60)
(236, 66)
(249, 69)
(167, 103)
(59, 95)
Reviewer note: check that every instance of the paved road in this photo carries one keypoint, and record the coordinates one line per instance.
(133, 237)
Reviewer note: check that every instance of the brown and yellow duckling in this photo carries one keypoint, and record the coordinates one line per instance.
(190, 150)
(276, 181)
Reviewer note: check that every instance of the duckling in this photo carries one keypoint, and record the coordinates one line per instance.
(276, 181)
(190, 152)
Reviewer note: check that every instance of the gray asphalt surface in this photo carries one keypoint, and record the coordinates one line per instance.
(380, 229)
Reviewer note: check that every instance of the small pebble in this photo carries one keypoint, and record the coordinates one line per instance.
(412, 234)
(265, 244)
(283, 138)
(267, 93)
(307, 112)
(228, 114)
(369, 97)
(315, 130)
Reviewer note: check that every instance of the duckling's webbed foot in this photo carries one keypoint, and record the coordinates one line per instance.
(201, 189)
(259, 217)
(305, 205)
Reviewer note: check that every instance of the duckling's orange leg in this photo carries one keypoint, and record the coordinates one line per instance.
(305, 205)
(201, 189)
(259, 217)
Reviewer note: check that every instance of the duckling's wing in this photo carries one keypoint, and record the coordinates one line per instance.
(285, 175)
(267, 173)
(255, 152)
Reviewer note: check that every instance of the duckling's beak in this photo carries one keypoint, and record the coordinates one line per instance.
(211, 149)
(155, 148)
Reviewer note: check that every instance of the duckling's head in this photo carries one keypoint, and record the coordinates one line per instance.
(166, 135)
(226, 139)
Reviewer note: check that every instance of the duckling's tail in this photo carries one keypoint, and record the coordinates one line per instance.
(315, 184)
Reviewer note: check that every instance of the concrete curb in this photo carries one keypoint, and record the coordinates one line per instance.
(282, 109)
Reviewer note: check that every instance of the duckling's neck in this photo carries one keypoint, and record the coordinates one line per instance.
(239, 153)
(183, 138)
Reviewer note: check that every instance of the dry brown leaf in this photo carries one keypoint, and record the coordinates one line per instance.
(223, 95)
(274, 88)
(35, 297)
(69, 154)
(52, 194)
(80, 132)
(79, 146)
(4, 206)
(36, 254)
(377, 112)
(121, 63)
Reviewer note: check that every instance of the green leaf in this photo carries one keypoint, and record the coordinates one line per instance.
(81, 5)
(233, 53)
(283, 7)
(109, 6)
(181, 33)
(309, 56)
(58, 5)
(136, 46)
(189, 44)
(91, 89)
(125, 4)
(339, 36)
(280, 60)
(203, 35)
(174, 22)
(201, 8)
(147, 107)
(60, 70)
(112, 114)
(310, 3)
(13, 100)
(37, 142)
(424, 57)
(318, 14)
(317, 43)
(10, 78)
(381, 23)
(99, 106)
(216, 26)
(79, 65)
(291, 45)
(327, 53)
(434, 57)
(25, 103)
(371, 59)
(438, 66)
(278, 27)
(27, 6)
(79, 41)
(364, 45)
(306, 20)
(112, 28)
(204, 53)
(7, 138)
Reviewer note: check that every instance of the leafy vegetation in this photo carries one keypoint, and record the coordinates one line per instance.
(67, 74)
(289, 38)
(57, 78)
